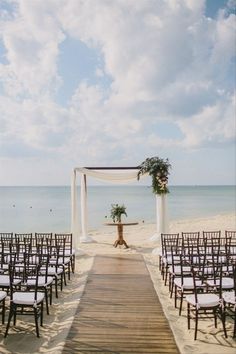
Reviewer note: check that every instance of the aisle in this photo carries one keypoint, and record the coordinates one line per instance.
(119, 311)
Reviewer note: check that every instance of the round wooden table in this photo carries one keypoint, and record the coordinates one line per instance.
(120, 225)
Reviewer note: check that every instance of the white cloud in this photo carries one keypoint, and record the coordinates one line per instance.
(41, 125)
(213, 125)
(165, 61)
(31, 40)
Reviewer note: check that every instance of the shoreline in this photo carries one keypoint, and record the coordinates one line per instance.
(175, 223)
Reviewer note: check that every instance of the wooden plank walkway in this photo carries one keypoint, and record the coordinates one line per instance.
(119, 311)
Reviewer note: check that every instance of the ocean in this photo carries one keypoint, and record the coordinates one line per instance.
(47, 209)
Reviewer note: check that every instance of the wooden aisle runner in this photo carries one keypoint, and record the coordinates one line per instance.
(119, 311)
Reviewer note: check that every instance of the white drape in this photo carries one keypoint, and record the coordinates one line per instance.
(114, 177)
(84, 214)
(162, 220)
(74, 211)
(162, 214)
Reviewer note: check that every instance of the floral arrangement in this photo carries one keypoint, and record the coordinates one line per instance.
(117, 211)
(158, 169)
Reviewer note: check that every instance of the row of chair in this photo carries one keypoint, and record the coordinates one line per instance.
(196, 243)
(30, 266)
(202, 272)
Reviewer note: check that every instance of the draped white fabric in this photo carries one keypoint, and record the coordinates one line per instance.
(115, 177)
(162, 215)
(74, 211)
(84, 213)
(162, 220)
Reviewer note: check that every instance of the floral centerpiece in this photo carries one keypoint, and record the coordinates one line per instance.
(158, 169)
(117, 211)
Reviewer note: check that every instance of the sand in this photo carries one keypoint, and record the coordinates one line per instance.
(22, 339)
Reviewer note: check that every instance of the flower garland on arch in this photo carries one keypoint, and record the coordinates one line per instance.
(158, 169)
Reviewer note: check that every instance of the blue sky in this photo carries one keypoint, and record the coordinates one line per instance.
(111, 83)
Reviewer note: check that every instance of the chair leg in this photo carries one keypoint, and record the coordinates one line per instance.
(56, 284)
(196, 324)
(170, 281)
(222, 314)
(9, 319)
(166, 273)
(3, 311)
(188, 315)
(41, 314)
(14, 317)
(172, 288)
(234, 334)
(215, 318)
(73, 263)
(46, 299)
(181, 303)
(50, 294)
(64, 276)
(175, 296)
(36, 321)
(162, 270)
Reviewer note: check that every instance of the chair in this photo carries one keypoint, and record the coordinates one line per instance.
(63, 249)
(42, 240)
(183, 282)
(6, 236)
(3, 295)
(212, 237)
(230, 235)
(69, 250)
(169, 242)
(44, 280)
(23, 301)
(203, 304)
(219, 278)
(55, 269)
(230, 245)
(190, 239)
(8, 258)
(24, 244)
(229, 299)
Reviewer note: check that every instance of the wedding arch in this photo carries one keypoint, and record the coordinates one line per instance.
(114, 175)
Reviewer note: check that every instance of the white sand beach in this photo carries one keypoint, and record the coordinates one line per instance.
(22, 339)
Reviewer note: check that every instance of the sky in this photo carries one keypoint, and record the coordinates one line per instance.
(112, 82)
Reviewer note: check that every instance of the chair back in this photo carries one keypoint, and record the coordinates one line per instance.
(169, 241)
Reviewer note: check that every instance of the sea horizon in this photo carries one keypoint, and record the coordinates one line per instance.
(48, 208)
(119, 185)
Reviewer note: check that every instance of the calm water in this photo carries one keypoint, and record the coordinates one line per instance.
(30, 209)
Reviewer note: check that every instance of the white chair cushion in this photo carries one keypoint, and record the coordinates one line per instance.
(3, 295)
(204, 300)
(27, 298)
(227, 283)
(52, 271)
(60, 261)
(5, 281)
(187, 283)
(69, 252)
(167, 260)
(177, 270)
(5, 266)
(229, 297)
(41, 281)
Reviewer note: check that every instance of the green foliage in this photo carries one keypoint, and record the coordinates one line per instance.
(117, 211)
(158, 169)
